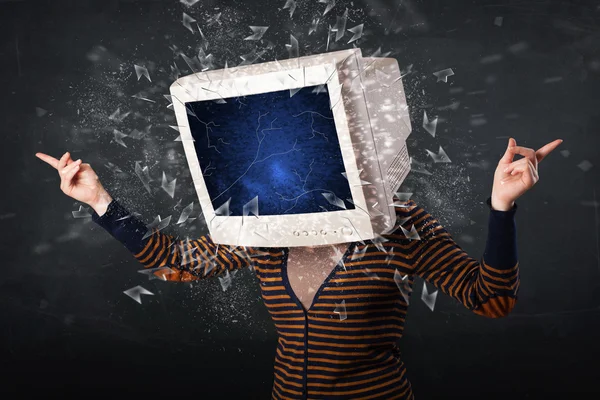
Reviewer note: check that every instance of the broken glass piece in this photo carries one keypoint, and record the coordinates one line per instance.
(118, 136)
(193, 63)
(416, 166)
(412, 235)
(403, 196)
(292, 48)
(81, 213)
(333, 199)
(168, 187)
(187, 22)
(338, 257)
(358, 254)
(114, 168)
(378, 53)
(553, 79)
(565, 153)
(294, 91)
(371, 274)
(251, 57)
(259, 31)
(378, 240)
(443, 74)
(214, 19)
(319, 89)
(497, 22)
(403, 284)
(441, 157)
(136, 292)
(135, 134)
(144, 175)
(330, 5)
(141, 97)
(341, 310)
(340, 26)
(429, 126)
(358, 32)
(291, 4)
(151, 272)
(141, 71)
(313, 26)
(428, 299)
(225, 280)
(251, 207)
(206, 60)
(189, 3)
(117, 116)
(158, 223)
(585, 165)
(185, 214)
(223, 210)
(328, 39)
(40, 112)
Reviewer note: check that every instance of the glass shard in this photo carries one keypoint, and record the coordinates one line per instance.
(81, 213)
(428, 299)
(259, 31)
(429, 126)
(403, 284)
(185, 214)
(333, 199)
(168, 187)
(357, 31)
(443, 74)
(188, 21)
(440, 157)
(118, 136)
(340, 309)
(136, 293)
(291, 5)
(144, 175)
(141, 71)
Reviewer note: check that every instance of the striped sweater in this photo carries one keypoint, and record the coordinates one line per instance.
(345, 345)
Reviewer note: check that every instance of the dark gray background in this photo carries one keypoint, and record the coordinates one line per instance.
(65, 325)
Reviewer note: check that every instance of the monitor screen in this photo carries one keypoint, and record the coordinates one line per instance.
(280, 146)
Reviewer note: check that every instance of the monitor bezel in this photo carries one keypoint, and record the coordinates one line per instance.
(278, 230)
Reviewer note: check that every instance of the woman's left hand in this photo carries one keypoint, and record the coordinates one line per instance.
(513, 178)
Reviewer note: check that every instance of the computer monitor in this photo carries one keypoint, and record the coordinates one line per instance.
(300, 152)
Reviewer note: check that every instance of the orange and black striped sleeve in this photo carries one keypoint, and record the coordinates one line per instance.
(170, 258)
(487, 286)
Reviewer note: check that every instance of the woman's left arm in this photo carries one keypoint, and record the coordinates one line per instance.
(487, 286)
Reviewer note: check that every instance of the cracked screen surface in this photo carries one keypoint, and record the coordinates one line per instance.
(280, 146)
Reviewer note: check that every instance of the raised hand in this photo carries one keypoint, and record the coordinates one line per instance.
(513, 178)
(79, 181)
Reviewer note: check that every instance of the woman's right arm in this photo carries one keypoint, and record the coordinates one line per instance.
(186, 260)
(167, 257)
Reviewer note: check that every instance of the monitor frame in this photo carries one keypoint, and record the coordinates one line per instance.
(334, 69)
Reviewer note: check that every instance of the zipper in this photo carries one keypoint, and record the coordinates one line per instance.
(305, 354)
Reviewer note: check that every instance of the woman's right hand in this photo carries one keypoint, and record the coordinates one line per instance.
(79, 181)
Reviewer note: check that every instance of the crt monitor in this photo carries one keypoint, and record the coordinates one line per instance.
(299, 152)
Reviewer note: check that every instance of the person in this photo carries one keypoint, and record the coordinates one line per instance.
(338, 310)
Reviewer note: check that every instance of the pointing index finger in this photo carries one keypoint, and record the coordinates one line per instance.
(49, 159)
(545, 150)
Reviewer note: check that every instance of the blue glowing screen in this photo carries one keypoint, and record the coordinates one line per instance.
(282, 149)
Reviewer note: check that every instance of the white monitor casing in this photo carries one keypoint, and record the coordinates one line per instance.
(371, 118)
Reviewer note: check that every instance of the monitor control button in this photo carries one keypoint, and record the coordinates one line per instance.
(346, 231)
(296, 233)
(305, 233)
